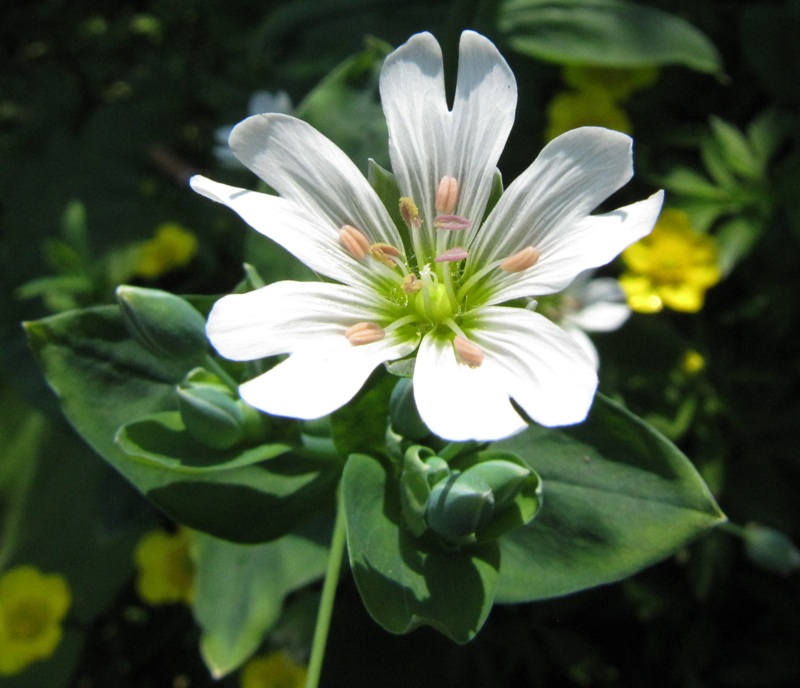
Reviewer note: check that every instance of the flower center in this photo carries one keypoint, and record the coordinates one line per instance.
(433, 303)
(27, 619)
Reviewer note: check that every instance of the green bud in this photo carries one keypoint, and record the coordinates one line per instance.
(211, 416)
(459, 507)
(771, 549)
(163, 323)
(503, 477)
(403, 411)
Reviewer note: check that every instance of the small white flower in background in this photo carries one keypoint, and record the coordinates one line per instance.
(437, 286)
(260, 102)
(588, 305)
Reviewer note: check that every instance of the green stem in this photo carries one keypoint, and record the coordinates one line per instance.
(733, 529)
(220, 372)
(326, 602)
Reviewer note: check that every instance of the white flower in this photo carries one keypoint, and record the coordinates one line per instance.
(588, 305)
(260, 102)
(440, 285)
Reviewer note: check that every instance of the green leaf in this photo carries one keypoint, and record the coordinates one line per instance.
(617, 497)
(162, 440)
(683, 180)
(360, 425)
(605, 32)
(406, 582)
(105, 380)
(240, 590)
(736, 149)
(736, 238)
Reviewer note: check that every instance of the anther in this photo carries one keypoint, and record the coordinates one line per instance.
(411, 284)
(468, 352)
(364, 333)
(447, 196)
(452, 255)
(410, 212)
(521, 260)
(385, 253)
(354, 241)
(451, 222)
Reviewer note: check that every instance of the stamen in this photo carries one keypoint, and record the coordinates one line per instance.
(385, 253)
(447, 196)
(364, 333)
(452, 255)
(468, 352)
(354, 241)
(451, 222)
(411, 284)
(410, 212)
(521, 260)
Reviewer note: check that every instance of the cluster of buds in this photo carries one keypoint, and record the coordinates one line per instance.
(469, 499)
(171, 328)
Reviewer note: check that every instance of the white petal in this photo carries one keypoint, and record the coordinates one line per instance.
(427, 142)
(483, 114)
(305, 167)
(541, 366)
(317, 381)
(572, 175)
(573, 247)
(582, 339)
(303, 234)
(458, 402)
(527, 358)
(413, 100)
(285, 317)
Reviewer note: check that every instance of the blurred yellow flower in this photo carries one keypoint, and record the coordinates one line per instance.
(573, 109)
(671, 267)
(692, 362)
(32, 606)
(274, 670)
(171, 247)
(165, 569)
(618, 82)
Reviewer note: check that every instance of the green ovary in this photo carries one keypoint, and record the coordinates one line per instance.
(433, 304)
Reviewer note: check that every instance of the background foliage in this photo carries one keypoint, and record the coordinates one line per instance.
(111, 104)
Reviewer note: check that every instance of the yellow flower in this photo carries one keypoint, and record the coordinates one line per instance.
(171, 247)
(274, 670)
(671, 267)
(573, 109)
(32, 606)
(165, 568)
(692, 363)
(617, 82)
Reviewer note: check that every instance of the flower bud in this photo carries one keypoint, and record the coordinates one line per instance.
(504, 478)
(460, 506)
(403, 411)
(211, 416)
(163, 323)
(771, 549)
